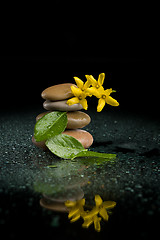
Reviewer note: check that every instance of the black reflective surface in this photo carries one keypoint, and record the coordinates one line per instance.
(32, 195)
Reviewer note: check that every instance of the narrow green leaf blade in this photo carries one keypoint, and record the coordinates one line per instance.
(50, 125)
(95, 154)
(64, 146)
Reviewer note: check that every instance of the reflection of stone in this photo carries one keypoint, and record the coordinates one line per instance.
(57, 185)
(57, 201)
(72, 194)
(53, 205)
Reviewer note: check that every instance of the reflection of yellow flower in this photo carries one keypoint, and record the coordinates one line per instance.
(80, 97)
(104, 97)
(96, 220)
(100, 209)
(75, 209)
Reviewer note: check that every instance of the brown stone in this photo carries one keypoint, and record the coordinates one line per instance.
(54, 206)
(41, 115)
(58, 92)
(84, 137)
(61, 106)
(75, 119)
(40, 144)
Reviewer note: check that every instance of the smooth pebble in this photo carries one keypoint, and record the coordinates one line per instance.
(58, 92)
(84, 137)
(40, 144)
(75, 119)
(61, 106)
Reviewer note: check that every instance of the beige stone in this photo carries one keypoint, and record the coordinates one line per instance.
(41, 115)
(75, 119)
(61, 106)
(54, 206)
(84, 137)
(40, 144)
(58, 92)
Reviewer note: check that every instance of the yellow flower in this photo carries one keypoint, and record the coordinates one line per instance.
(80, 93)
(75, 209)
(100, 209)
(104, 97)
(80, 84)
(95, 84)
(80, 97)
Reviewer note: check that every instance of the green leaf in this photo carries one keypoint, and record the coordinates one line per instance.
(64, 146)
(50, 125)
(95, 154)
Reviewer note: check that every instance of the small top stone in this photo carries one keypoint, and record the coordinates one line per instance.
(58, 92)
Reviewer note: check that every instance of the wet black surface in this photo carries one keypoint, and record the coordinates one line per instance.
(132, 180)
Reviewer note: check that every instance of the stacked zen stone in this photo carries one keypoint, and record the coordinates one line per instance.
(56, 100)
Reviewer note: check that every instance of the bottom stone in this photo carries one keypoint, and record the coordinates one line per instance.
(40, 144)
(84, 137)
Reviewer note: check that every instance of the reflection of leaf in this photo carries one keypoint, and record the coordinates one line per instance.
(96, 161)
(50, 125)
(60, 179)
(95, 154)
(46, 188)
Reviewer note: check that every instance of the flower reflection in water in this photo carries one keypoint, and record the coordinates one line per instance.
(76, 210)
(63, 189)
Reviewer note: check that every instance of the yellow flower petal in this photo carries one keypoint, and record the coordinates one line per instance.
(73, 211)
(81, 202)
(98, 200)
(101, 91)
(101, 78)
(70, 203)
(91, 214)
(101, 104)
(84, 104)
(86, 85)
(93, 91)
(97, 225)
(109, 204)
(111, 101)
(72, 101)
(79, 82)
(104, 213)
(75, 218)
(108, 91)
(91, 79)
(76, 91)
(87, 223)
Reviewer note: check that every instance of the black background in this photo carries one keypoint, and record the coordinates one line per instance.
(50, 45)
(46, 45)
(23, 78)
